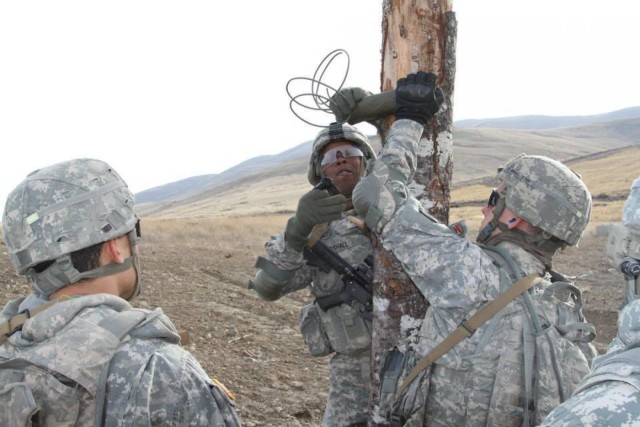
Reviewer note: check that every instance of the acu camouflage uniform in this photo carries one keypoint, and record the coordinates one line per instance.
(487, 379)
(610, 395)
(89, 360)
(340, 329)
(92, 378)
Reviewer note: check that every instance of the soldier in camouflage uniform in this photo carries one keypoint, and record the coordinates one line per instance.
(340, 152)
(75, 352)
(610, 395)
(520, 364)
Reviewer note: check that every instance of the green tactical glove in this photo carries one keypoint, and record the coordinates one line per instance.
(314, 207)
(344, 102)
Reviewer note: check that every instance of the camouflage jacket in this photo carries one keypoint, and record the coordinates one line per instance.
(486, 379)
(342, 236)
(341, 328)
(68, 365)
(610, 394)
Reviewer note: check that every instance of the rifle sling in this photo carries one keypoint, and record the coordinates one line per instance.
(317, 232)
(468, 327)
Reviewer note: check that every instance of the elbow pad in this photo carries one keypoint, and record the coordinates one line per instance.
(266, 286)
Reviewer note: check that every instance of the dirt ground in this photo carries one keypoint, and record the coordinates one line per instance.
(255, 347)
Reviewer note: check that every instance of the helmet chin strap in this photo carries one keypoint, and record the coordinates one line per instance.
(62, 272)
(133, 240)
(487, 230)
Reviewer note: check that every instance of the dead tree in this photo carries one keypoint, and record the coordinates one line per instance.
(418, 35)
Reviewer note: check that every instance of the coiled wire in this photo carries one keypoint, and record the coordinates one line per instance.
(315, 100)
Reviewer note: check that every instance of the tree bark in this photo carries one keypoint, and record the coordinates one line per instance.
(418, 35)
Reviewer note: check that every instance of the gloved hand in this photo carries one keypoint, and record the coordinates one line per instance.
(344, 102)
(417, 97)
(314, 207)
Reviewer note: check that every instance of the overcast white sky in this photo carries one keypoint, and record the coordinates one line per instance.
(166, 90)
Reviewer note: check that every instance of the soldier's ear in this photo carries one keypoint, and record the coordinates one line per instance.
(514, 222)
(112, 252)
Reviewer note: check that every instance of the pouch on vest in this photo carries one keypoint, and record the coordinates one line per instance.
(550, 391)
(566, 300)
(313, 332)
(347, 331)
(408, 410)
(565, 343)
(392, 365)
(33, 396)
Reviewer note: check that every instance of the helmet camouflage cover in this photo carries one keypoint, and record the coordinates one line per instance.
(548, 195)
(63, 208)
(337, 132)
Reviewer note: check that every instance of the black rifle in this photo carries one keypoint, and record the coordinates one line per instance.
(357, 280)
(327, 184)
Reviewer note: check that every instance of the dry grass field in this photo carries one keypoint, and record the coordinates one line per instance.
(197, 269)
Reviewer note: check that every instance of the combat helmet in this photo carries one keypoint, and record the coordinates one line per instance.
(548, 195)
(337, 132)
(63, 208)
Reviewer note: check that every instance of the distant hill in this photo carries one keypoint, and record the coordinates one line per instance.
(273, 183)
(187, 187)
(547, 122)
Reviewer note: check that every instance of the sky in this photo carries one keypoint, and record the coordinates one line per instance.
(166, 90)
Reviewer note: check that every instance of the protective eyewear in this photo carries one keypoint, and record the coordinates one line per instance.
(344, 151)
(493, 198)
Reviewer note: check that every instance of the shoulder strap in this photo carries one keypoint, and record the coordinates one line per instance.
(15, 323)
(506, 261)
(468, 327)
(317, 233)
(119, 324)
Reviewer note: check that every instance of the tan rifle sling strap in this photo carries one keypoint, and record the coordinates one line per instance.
(15, 323)
(319, 230)
(468, 327)
(317, 233)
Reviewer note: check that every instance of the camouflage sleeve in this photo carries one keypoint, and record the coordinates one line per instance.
(173, 389)
(377, 197)
(612, 403)
(451, 272)
(281, 271)
(399, 154)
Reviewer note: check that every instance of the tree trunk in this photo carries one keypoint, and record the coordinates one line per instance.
(418, 35)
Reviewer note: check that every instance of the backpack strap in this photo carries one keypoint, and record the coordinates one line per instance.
(536, 327)
(119, 324)
(15, 323)
(468, 327)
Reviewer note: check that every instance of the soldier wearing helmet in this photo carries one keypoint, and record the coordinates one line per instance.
(507, 363)
(75, 352)
(342, 153)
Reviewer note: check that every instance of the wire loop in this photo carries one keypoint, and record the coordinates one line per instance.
(315, 100)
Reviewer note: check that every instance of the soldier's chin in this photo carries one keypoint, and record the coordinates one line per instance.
(345, 186)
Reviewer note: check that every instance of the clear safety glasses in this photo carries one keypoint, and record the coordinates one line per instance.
(345, 151)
